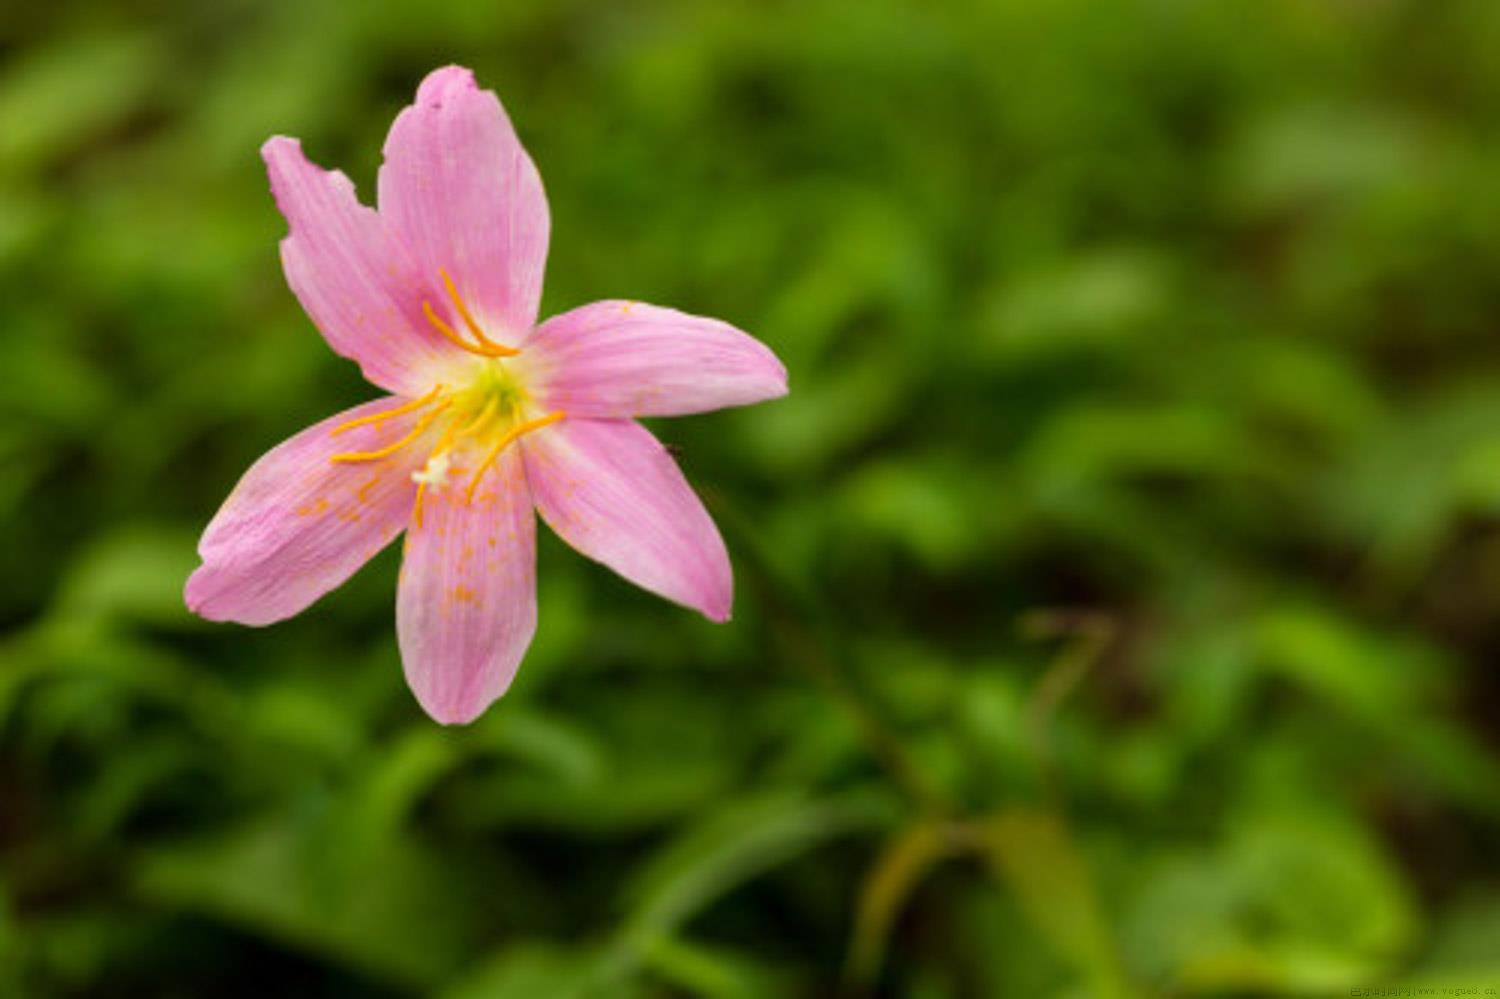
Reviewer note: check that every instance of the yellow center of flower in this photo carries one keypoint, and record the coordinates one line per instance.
(492, 410)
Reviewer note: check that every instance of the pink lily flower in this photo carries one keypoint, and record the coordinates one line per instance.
(489, 416)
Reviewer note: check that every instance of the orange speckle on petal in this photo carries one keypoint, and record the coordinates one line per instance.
(313, 508)
(463, 595)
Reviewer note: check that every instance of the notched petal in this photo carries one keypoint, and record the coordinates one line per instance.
(356, 281)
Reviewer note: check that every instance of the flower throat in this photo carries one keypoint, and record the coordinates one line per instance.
(489, 409)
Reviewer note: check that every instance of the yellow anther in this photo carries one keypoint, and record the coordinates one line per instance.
(506, 438)
(415, 404)
(389, 449)
(499, 349)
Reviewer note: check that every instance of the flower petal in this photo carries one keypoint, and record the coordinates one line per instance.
(622, 359)
(459, 189)
(356, 281)
(297, 524)
(466, 610)
(610, 490)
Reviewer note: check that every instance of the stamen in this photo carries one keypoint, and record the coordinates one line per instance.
(463, 310)
(389, 449)
(458, 341)
(510, 435)
(485, 347)
(444, 442)
(387, 414)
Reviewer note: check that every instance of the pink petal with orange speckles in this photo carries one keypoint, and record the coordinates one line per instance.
(297, 524)
(610, 490)
(466, 606)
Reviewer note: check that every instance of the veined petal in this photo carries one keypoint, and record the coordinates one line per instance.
(458, 188)
(623, 359)
(357, 282)
(610, 490)
(466, 609)
(297, 524)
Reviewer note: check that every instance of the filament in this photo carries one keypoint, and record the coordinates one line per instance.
(510, 435)
(440, 448)
(485, 347)
(463, 310)
(458, 341)
(415, 404)
(389, 449)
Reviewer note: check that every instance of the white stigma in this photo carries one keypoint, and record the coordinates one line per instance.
(435, 474)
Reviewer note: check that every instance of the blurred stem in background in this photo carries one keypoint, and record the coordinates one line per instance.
(1027, 849)
(804, 626)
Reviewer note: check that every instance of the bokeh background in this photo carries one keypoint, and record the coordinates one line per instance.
(1118, 588)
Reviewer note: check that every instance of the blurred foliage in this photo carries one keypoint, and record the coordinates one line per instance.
(1119, 587)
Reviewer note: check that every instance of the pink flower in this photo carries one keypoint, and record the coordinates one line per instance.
(490, 416)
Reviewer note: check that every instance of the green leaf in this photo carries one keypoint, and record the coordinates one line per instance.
(60, 95)
(897, 873)
(526, 969)
(401, 916)
(1290, 902)
(135, 573)
(730, 847)
(711, 972)
(1033, 854)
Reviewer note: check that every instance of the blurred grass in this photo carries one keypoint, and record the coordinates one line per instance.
(1174, 317)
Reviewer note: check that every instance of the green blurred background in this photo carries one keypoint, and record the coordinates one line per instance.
(1118, 588)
